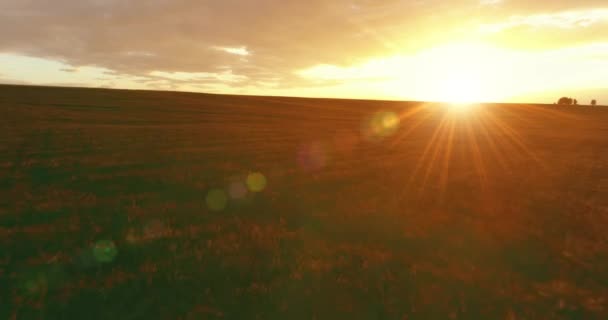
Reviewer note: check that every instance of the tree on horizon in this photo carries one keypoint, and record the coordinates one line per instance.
(565, 101)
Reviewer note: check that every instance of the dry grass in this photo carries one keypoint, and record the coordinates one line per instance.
(500, 213)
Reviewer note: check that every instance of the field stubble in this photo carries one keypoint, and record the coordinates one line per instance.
(318, 208)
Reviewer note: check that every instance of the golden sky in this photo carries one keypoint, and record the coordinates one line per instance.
(480, 50)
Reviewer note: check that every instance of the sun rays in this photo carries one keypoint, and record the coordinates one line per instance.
(469, 142)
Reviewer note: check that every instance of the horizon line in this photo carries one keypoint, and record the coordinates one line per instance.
(58, 86)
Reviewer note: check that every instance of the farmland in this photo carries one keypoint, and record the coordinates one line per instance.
(141, 204)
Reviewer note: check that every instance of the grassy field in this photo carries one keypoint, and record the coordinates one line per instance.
(161, 205)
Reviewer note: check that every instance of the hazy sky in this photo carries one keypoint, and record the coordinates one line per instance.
(499, 50)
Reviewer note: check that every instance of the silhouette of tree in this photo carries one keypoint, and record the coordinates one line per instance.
(575, 102)
(565, 101)
(593, 102)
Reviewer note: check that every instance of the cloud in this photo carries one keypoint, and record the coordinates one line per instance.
(375, 69)
(560, 20)
(526, 7)
(264, 43)
(226, 76)
(490, 2)
(239, 51)
(275, 36)
(497, 73)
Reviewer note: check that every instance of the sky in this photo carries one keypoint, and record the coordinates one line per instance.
(425, 50)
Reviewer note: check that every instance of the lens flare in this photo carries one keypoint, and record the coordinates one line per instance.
(381, 125)
(313, 156)
(216, 200)
(237, 190)
(256, 182)
(105, 251)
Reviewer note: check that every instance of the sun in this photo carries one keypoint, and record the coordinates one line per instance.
(459, 74)
(460, 89)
